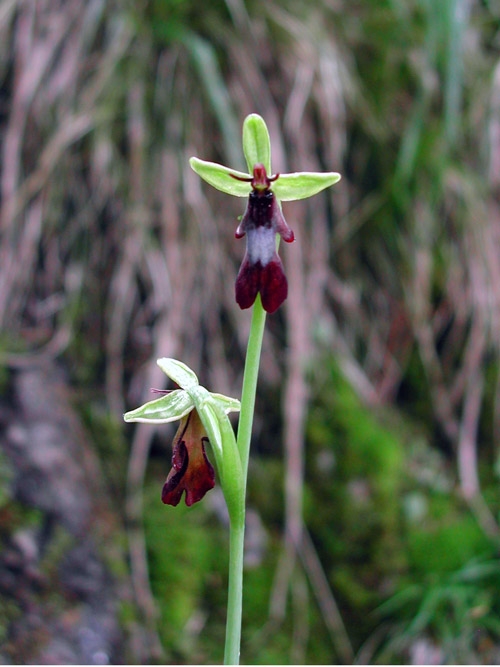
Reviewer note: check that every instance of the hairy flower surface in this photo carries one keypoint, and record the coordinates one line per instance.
(262, 270)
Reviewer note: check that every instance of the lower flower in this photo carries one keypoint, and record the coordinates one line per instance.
(191, 471)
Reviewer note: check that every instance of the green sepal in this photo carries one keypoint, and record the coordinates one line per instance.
(219, 177)
(303, 184)
(256, 142)
(170, 407)
(201, 399)
(178, 372)
(226, 403)
(212, 410)
(229, 467)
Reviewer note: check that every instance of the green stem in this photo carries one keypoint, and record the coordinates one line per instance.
(250, 377)
(235, 594)
(237, 526)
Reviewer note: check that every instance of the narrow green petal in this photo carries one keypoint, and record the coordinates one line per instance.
(170, 407)
(219, 177)
(303, 184)
(179, 373)
(227, 403)
(256, 142)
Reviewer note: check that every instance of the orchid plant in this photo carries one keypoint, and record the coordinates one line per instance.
(203, 416)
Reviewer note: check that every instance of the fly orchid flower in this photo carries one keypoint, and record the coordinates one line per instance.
(203, 417)
(261, 270)
(191, 471)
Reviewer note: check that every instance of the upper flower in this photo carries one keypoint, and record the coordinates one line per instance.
(203, 417)
(262, 270)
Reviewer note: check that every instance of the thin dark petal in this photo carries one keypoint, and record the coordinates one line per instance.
(280, 225)
(273, 285)
(242, 227)
(247, 283)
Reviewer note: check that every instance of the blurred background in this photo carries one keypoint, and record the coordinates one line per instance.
(373, 502)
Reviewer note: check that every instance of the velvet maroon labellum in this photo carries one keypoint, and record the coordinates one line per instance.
(261, 269)
(191, 471)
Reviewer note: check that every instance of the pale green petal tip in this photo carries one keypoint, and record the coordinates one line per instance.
(178, 372)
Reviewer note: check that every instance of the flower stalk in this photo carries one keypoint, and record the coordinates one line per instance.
(237, 532)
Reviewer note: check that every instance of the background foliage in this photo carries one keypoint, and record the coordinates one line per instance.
(373, 493)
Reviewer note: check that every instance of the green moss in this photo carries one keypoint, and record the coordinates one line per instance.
(187, 551)
(355, 476)
(447, 544)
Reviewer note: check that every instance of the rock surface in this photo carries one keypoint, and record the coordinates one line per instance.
(59, 603)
